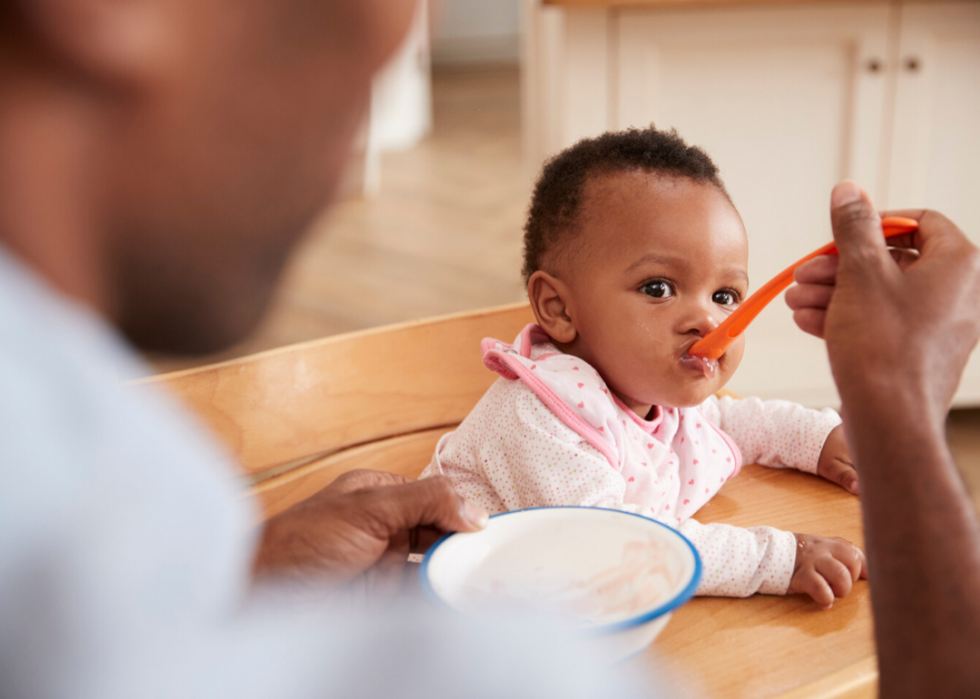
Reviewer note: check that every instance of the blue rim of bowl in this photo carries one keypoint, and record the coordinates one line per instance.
(670, 605)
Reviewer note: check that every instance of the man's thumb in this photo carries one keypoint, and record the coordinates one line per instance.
(857, 226)
(430, 502)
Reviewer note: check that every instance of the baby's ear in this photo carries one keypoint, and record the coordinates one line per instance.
(549, 298)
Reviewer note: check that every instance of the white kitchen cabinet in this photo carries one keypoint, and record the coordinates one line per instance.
(788, 100)
(935, 142)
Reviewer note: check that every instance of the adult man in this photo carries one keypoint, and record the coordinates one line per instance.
(157, 160)
(160, 159)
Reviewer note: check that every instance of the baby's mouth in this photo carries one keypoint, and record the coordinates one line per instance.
(707, 367)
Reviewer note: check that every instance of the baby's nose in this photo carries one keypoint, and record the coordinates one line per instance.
(702, 320)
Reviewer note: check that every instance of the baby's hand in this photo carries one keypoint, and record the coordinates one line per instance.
(835, 461)
(826, 567)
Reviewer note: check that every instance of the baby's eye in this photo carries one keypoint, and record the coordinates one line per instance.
(658, 289)
(726, 297)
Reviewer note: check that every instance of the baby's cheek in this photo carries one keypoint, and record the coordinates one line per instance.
(732, 358)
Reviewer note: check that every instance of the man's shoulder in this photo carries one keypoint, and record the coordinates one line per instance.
(70, 426)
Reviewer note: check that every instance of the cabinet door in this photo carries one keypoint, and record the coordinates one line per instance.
(565, 74)
(787, 101)
(935, 150)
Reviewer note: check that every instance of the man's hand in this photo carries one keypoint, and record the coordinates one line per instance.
(364, 524)
(899, 335)
(826, 567)
(918, 320)
(835, 462)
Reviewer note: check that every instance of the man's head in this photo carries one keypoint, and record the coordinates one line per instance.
(215, 131)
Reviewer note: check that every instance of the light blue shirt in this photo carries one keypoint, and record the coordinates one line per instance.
(126, 552)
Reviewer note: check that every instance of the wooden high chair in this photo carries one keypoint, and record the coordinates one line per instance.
(299, 416)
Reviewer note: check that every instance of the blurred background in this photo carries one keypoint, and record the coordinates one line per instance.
(788, 97)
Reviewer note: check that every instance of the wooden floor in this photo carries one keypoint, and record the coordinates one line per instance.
(443, 235)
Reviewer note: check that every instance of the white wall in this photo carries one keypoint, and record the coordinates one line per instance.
(401, 104)
(475, 31)
(401, 98)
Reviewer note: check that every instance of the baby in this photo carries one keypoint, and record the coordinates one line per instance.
(634, 251)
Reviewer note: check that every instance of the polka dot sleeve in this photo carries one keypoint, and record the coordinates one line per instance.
(739, 562)
(773, 433)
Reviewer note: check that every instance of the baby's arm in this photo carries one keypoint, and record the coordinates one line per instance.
(740, 562)
(773, 433)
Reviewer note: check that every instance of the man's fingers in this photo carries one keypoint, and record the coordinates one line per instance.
(857, 226)
(811, 320)
(905, 240)
(431, 502)
(809, 296)
(365, 478)
(819, 270)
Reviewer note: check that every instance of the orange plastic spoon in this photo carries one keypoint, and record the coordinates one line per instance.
(717, 342)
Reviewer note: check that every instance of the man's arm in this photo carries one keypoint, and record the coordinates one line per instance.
(899, 337)
(923, 547)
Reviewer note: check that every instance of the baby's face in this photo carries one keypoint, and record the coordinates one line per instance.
(658, 264)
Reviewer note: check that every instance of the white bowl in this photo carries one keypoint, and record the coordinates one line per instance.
(612, 576)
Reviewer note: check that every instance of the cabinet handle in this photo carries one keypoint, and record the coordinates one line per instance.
(912, 64)
(873, 65)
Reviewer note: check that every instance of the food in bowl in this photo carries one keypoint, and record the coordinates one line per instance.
(612, 575)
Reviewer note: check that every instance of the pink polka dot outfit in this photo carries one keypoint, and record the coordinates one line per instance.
(549, 432)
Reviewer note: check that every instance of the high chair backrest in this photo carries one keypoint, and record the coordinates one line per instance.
(299, 416)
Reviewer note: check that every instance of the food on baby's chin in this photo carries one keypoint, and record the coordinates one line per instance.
(709, 366)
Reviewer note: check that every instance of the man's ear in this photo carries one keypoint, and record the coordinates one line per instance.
(549, 298)
(111, 41)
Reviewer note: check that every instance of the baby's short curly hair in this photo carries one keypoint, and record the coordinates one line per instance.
(557, 200)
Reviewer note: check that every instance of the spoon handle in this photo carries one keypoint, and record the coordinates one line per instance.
(717, 342)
